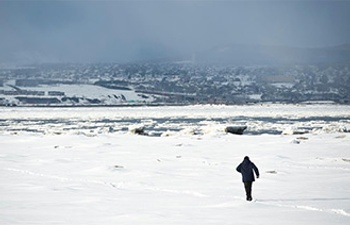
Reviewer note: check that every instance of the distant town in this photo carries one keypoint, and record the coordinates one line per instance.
(175, 83)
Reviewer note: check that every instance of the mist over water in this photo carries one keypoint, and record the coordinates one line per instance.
(124, 31)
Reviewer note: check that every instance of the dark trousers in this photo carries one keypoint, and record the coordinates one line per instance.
(248, 189)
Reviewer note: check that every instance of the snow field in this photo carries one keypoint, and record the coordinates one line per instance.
(105, 95)
(130, 179)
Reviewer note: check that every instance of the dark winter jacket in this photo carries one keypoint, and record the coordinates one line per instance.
(246, 168)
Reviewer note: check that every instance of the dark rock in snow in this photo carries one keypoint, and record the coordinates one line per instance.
(138, 130)
(235, 129)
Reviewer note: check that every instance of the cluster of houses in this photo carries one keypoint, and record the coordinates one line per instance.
(187, 83)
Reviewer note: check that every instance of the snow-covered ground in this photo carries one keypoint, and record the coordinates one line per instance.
(83, 91)
(78, 176)
(89, 91)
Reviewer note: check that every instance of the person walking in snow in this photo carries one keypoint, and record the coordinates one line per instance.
(247, 169)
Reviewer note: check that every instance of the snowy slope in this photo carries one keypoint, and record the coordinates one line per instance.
(120, 178)
(175, 180)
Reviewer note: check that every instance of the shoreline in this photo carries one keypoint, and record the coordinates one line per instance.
(174, 104)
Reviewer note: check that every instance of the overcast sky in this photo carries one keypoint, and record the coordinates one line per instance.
(121, 31)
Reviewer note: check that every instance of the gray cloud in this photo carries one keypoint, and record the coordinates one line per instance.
(119, 31)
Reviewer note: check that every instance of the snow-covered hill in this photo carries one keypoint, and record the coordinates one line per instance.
(94, 176)
(127, 179)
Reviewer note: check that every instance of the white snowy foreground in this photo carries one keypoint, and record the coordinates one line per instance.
(121, 178)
